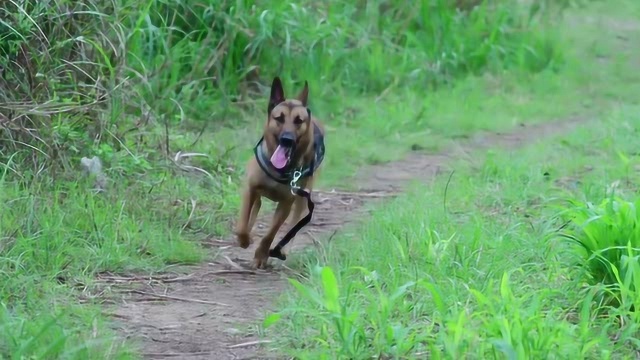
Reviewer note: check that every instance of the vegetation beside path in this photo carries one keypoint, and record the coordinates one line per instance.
(536, 253)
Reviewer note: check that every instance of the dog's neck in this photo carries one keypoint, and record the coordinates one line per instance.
(297, 157)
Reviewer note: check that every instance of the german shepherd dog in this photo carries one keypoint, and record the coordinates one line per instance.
(292, 142)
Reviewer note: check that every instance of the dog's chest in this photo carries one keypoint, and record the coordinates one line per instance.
(274, 191)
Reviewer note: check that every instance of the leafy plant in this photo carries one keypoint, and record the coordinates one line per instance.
(607, 236)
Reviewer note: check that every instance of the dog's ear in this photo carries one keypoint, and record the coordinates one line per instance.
(277, 93)
(304, 94)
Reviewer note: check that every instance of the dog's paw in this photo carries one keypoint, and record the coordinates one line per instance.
(259, 264)
(260, 259)
(244, 240)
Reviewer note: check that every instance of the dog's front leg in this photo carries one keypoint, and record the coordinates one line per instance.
(249, 199)
(279, 217)
(255, 209)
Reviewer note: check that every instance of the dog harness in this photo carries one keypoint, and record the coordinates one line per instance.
(285, 175)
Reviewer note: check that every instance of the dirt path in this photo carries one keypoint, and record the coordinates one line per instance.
(203, 312)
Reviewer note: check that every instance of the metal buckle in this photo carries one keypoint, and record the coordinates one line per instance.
(294, 182)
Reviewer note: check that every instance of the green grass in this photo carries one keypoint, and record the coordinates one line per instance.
(491, 277)
(383, 78)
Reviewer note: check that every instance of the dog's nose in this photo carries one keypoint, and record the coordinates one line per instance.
(287, 139)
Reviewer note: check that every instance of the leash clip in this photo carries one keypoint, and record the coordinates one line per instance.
(294, 182)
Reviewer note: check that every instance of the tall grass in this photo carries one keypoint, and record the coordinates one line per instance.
(81, 74)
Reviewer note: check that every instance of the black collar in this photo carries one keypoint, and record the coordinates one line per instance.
(283, 176)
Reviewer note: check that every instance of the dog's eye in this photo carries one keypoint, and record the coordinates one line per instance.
(280, 118)
(298, 120)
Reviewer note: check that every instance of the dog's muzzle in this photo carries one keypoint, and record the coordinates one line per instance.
(287, 139)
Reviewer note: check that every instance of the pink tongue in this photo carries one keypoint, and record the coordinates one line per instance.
(279, 158)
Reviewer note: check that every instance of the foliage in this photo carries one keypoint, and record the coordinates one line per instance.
(82, 74)
(607, 236)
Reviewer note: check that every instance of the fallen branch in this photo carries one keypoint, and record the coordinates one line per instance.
(232, 263)
(169, 297)
(197, 353)
(377, 194)
(224, 272)
(250, 343)
(164, 279)
(327, 223)
(178, 279)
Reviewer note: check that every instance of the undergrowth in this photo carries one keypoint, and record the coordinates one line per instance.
(104, 77)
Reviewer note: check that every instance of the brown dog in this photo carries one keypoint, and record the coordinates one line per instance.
(292, 141)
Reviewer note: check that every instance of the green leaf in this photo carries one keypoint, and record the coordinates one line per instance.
(306, 292)
(505, 291)
(271, 319)
(401, 290)
(331, 293)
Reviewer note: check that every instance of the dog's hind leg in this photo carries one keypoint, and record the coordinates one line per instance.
(249, 199)
(279, 217)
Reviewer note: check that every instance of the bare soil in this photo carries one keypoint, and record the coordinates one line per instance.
(210, 311)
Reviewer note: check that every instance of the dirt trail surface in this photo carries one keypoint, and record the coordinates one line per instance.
(202, 312)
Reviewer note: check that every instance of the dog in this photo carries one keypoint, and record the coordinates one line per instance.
(292, 141)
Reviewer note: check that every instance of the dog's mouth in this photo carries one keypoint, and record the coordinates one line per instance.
(281, 156)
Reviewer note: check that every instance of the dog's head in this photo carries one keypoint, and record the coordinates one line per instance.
(288, 123)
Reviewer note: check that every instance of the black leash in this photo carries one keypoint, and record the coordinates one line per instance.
(276, 252)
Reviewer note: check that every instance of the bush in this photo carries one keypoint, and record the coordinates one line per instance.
(81, 74)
